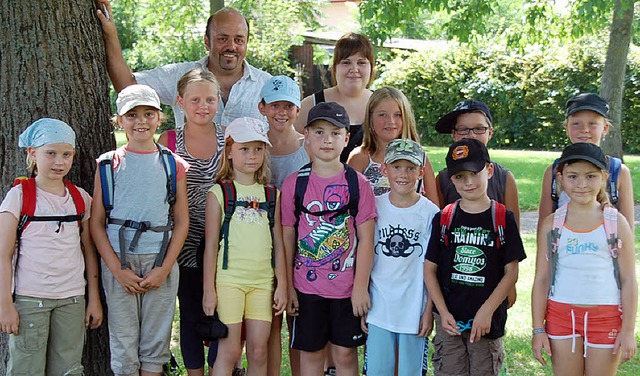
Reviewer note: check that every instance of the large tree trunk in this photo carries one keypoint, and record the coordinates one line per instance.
(612, 85)
(52, 65)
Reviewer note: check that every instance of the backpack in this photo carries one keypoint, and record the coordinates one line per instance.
(230, 197)
(612, 183)
(171, 140)
(105, 168)
(610, 228)
(27, 212)
(302, 180)
(498, 217)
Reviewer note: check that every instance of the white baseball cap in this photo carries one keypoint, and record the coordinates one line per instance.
(247, 129)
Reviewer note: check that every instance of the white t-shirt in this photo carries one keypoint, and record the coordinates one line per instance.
(51, 262)
(397, 289)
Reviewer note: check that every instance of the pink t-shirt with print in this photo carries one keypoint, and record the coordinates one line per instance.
(326, 248)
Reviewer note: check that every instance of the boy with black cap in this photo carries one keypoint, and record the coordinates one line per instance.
(323, 205)
(472, 119)
(587, 120)
(471, 264)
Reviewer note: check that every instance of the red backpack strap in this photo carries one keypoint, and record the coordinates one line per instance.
(499, 219)
(446, 217)
(171, 140)
(78, 200)
(28, 201)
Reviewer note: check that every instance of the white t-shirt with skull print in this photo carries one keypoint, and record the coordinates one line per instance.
(397, 289)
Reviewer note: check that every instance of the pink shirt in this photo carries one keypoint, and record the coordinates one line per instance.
(326, 248)
(51, 263)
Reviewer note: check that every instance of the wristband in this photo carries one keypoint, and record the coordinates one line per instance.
(538, 331)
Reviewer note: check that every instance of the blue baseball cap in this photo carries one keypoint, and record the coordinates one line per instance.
(281, 88)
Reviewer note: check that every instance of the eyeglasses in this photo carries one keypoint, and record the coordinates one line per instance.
(465, 131)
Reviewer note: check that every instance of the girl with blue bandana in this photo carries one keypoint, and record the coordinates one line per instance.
(47, 317)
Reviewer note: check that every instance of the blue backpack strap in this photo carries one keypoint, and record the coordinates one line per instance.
(555, 195)
(612, 183)
(169, 165)
(229, 206)
(105, 168)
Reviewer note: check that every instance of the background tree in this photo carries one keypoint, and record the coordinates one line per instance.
(521, 23)
(52, 64)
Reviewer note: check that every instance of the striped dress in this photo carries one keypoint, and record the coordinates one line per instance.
(200, 177)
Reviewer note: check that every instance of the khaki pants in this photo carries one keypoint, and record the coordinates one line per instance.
(50, 337)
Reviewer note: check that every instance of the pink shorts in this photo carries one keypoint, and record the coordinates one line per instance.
(598, 325)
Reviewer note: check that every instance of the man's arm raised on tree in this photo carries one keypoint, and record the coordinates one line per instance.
(117, 67)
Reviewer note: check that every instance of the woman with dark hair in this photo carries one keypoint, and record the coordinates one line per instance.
(353, 70)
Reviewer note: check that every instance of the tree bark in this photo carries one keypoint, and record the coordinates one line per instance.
(613, 74)
(52, 64)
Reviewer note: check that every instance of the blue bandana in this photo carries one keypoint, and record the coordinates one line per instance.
(47, 131)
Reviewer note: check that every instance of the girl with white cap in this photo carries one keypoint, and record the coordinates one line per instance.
(243, 248)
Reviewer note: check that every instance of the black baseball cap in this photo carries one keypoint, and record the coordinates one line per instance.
(588, 101)
(584, 151)
(467, 154)
(446, 123)
(331, 112)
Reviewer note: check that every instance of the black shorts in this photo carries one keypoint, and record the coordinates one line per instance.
(324, 319)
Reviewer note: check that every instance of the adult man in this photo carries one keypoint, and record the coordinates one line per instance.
(226, 41)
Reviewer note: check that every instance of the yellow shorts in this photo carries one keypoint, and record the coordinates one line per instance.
(238, 302)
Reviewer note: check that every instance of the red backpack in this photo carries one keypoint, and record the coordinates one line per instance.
(498, 217)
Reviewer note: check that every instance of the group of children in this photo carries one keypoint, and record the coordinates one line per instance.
(349, 256)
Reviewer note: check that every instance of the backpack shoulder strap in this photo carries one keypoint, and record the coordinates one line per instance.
(553, 242)
(613, 241)
(169, 165)
(271, 195)
(171, 139)
(354, 190)
(499, 219)
(78, 200)
(446, 217)
(614, 172)
(302, 180)
(28, 202)
(229, 206)
(105, 168)
(555, 195)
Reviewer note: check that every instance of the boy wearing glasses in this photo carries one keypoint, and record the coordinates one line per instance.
(472, 119)
(471, 265)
